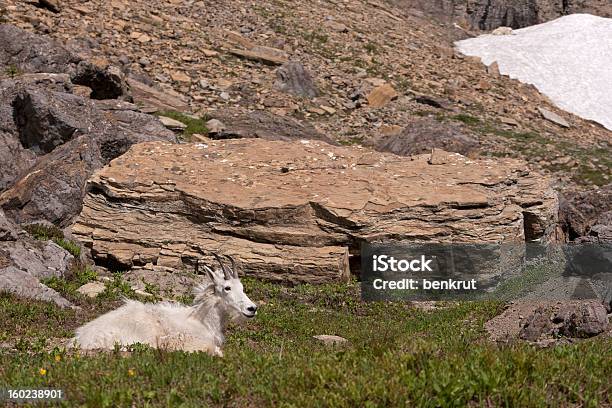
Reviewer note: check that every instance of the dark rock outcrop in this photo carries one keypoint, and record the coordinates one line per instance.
(569, 319)
(29, 52)
(73, 137)
(425, 134)
(25, 52)
(587, 216)
(52, 140)
(265, 125)
(490, 14)
(293, 78)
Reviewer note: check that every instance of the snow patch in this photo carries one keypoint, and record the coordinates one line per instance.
(568, 59)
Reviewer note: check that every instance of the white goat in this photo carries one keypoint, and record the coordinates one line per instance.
(173, 326)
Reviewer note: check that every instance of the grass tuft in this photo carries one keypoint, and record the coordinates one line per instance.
(194, 125)
(52, 233)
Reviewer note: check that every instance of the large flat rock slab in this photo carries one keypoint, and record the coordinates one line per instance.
(294, 211)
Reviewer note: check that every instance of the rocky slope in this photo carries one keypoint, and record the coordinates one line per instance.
(376, 69)
(353, 73)
(53, 138)
(491, 14)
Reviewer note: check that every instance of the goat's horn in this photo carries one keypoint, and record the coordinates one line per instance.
(226, 274)
(234, 271)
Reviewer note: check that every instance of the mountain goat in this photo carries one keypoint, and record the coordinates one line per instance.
(171, 325)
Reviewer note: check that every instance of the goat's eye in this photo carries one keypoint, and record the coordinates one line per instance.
(227, 288)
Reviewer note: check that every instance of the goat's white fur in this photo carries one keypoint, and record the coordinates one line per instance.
(170, 325)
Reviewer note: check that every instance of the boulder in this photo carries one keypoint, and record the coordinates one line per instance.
(8, 230)
(585, 216)
(264, 125)
(92, 289)
(537, 326)
(46, 119)
(32, 53)
(291, 212)
(29, 52)
(542, 321)
(152, 99)
(425, 134)
(55, 142)
(553, 117)
(25, 262)
(293, 78)
(106, 82)
(584, 320)
(24, 285)
(381, 96)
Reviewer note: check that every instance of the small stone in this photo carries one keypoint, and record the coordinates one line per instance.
(51, 5)
(553, 117)
(502, 31)
(331, 340)
(215, 126)
(142, 293)
(172, 124)
(389, 130)
(92, 289)
(338, 27)
(266, 55)
(225, 96)
(328, 109)
(509, 121)
(144, 39)
(483, 85)
(493, 70)
(432, 101)
(179, 76)
(209, 53)
(316, 110)
(381, 96)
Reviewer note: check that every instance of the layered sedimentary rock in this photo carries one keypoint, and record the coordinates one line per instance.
(293, 212)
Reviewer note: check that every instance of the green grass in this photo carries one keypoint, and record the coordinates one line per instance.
(194, 125)
(52, 233)
(467, 119)
(372, 48)
(11, 70)
(79, 275)
(594, 165)
(397, 356)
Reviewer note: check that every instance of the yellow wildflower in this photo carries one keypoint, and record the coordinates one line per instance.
(42, 371)
(58, 358)
(131, 372)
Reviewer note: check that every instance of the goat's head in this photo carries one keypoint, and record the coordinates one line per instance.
(229, 290)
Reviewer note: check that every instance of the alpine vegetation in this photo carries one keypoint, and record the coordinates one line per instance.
(171, 325)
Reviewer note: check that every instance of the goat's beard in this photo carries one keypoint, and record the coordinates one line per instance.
(236, 316)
